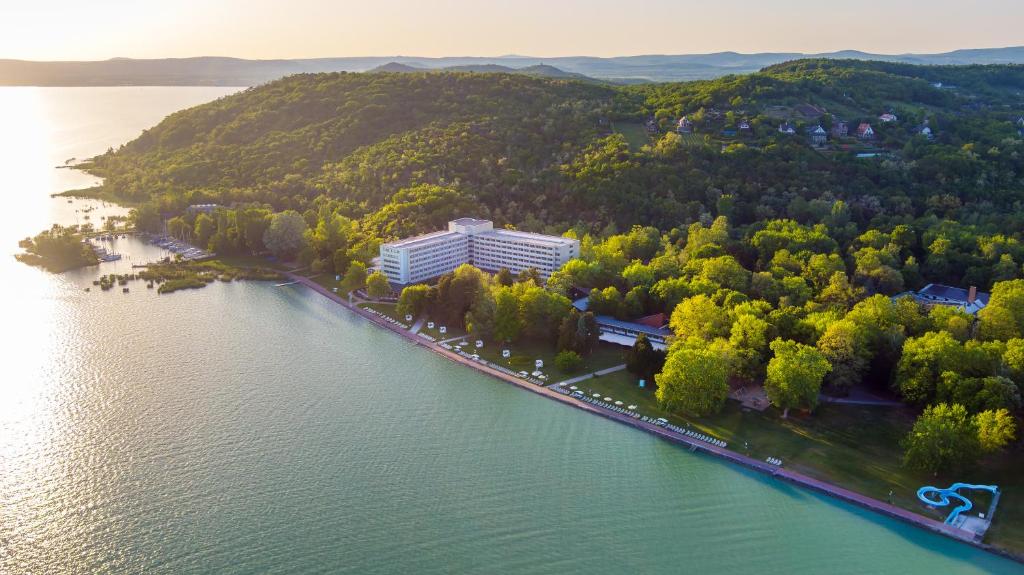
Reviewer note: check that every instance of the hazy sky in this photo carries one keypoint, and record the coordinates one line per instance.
(98, 29)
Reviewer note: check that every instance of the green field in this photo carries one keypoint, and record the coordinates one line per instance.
(692, 140)
(855, 447)
(634, 132)
(525, 353)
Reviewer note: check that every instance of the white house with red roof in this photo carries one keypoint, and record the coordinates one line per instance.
(865, 131)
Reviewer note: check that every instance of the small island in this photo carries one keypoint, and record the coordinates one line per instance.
(57, 249)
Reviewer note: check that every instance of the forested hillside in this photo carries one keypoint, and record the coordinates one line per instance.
(395, 154)
(769, 216)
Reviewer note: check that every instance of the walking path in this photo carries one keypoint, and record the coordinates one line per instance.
(416, 327)
(586, 376)
(871, 402)
(694, 444)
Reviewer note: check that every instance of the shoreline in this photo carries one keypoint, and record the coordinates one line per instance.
(791, 477)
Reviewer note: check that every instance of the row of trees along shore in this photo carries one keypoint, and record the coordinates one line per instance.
(794, 320)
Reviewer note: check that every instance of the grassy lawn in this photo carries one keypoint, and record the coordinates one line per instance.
(634, 132)
(250, 262)
(855, 447)
(692, 140)
(387, 309)
(435, 332)
(524, 354)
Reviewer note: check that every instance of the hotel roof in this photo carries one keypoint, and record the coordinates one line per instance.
(539, 239)
(469, 221)
(424, 239)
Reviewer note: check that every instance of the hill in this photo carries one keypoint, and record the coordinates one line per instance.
(240, 72)
(403, 152)
(540, 70)
(776, 256)
(396, 68)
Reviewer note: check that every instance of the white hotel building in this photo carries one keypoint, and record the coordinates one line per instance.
(476, 242)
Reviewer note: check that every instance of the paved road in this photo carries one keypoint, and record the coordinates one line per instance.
(586, 376)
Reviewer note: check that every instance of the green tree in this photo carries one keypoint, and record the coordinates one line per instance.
(924, 359)
(286, 234)
(355, 277)
(693, 379)
(795, 375)
(1003, 317)
(845, 345)
(507, 324)
(943, 438)
(953, 320)
(377, 285)
(177, 227)
(529, 275)
(643, 360)
(977, 393)
(504, 277)
(1013, 359)
(996, 429)
(605, 302)
(413, 300)
(568, 361)
(701, 317)
(204, 228)
(588, 333)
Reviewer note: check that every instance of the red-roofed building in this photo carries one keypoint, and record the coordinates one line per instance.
(865, 131)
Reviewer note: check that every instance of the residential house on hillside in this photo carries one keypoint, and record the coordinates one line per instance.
(840, 129)
(925, 130)
(745, 128)
(969, 300)
(865, 131)
(887, 117)
(817, 135)
(684, 126)
(651, 125)
(787, 128)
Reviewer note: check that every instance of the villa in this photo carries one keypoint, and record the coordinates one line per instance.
(818, 136)
(476, 242)
(840, 129)
(969, 300)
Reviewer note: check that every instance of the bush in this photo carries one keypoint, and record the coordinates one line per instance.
(568, 361)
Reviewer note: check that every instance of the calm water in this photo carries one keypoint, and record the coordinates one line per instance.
(245, 428)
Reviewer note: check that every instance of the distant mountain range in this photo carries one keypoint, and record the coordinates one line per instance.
(217, 71)
(542, 70)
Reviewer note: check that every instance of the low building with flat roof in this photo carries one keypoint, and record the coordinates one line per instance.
(476, 242)
(625, 332)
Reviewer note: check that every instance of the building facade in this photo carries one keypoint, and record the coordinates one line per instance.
(475, 242)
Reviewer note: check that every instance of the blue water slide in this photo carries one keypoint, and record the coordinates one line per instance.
(926, 493)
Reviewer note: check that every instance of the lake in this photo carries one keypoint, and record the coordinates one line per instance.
(247, 428)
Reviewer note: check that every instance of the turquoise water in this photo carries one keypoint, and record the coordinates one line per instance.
(245, 428)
